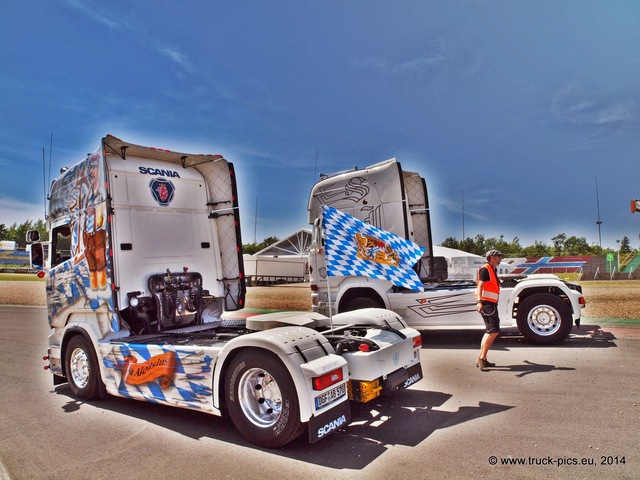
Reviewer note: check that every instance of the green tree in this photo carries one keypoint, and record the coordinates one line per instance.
(18, 232)
(538, 249)
(251, 248)
(576, 246)
(451, 242)
(625, 245)
(509, 249)
(558, 243)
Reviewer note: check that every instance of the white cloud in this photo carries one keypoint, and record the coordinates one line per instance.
(420, 64)
(570, 104)
(94, 12)
(17, 211)
(177, 57)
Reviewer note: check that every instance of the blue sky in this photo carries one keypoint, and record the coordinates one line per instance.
(518, 105)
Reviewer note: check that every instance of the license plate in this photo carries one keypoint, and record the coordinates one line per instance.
(332, 395)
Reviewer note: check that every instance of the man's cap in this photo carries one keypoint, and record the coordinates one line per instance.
(493, 253)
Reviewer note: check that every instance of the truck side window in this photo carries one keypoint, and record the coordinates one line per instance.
(61, 246)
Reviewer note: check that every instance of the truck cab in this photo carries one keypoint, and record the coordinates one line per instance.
(543, 307)
(144, 283)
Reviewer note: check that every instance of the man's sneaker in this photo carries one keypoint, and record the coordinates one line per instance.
(482, 364)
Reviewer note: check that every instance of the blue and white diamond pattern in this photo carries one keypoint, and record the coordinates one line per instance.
(341, 251)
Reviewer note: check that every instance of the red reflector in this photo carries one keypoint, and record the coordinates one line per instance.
(417, 341)
(328, 379)
(40, 274)
(314, 287)
(364, 347)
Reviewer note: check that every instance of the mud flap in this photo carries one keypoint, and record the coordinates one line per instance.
(330, 421)
(414, 375)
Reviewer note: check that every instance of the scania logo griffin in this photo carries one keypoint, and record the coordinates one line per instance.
(162, 191)
(329, 427)
(158, 171)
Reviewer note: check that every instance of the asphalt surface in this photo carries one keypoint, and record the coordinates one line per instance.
(567, 411)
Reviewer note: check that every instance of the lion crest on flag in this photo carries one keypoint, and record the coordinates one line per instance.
(371, 248)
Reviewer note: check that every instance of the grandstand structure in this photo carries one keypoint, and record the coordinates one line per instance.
(14, 261)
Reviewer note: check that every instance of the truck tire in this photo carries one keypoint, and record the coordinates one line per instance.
(261, 399)
(81, 369)
(358, 303)
(544, 318)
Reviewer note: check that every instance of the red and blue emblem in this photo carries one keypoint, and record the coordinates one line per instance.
(162, 191)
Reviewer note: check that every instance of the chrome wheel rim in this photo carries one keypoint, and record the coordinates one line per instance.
(544, 320)
(260, 397)
(79, 368)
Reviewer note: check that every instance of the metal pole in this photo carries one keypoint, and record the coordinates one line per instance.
(463, 214)
(598, 222)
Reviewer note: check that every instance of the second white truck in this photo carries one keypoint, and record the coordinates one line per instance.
(543, 307)
(143, 271)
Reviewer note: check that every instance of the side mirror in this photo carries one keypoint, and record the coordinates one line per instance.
(36, 255)
(33, 236)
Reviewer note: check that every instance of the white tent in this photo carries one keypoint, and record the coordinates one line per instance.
(464, 266)
(285, 261)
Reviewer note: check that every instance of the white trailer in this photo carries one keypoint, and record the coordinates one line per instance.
(268, 269)
(8, 245)
(146, 258)
(543, 307)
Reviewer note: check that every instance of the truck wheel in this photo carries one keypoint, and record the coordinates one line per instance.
(359, 303)
(261, 399)
(81, 368)
(544, 318)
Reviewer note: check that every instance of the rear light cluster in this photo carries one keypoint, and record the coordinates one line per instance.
(328, 379)
(417, 341)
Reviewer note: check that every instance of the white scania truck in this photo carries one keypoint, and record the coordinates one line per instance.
(143, 268)
(543, 307)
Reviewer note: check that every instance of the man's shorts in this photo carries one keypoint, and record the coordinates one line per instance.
(490, 316)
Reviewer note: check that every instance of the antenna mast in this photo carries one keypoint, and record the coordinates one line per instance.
(44, 182)
(46, 178)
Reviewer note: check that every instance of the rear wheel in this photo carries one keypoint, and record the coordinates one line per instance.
(544, 318)
(261, 399)
(81, 368)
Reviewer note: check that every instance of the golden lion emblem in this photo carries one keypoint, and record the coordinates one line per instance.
(370, 248)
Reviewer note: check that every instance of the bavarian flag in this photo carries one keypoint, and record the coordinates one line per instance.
(353, 247)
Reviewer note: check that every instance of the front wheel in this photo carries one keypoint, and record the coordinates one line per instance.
(358, 303)
(544, 319)
(81, 368)
(261, 399)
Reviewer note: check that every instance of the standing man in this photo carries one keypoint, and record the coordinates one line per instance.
(488, 291)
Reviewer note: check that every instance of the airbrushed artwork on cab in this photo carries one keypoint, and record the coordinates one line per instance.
(80, 273)
(181, 377)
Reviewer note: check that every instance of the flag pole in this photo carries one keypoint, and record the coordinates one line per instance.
(326, 272)
(329, 301)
